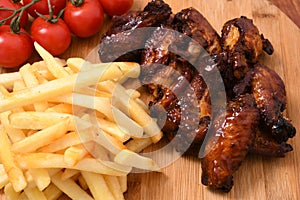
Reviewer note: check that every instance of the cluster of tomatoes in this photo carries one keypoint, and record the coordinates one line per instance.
(52, 26)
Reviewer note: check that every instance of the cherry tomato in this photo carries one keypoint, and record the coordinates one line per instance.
(54, 37)
(116, 7)
(15, 49)
(86, 19)
(42, 7)
(11, 5)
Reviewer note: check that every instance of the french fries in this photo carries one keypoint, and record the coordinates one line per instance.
(64, 131)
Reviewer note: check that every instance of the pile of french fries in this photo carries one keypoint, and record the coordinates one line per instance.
(69, 128)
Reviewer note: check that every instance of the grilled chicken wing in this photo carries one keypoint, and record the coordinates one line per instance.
(269, 93)
(241, 39)
(270, 96)
(123, 41)
(230, 149)
(193, 24)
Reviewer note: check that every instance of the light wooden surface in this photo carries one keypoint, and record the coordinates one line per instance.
(290, 7)
(258, 178)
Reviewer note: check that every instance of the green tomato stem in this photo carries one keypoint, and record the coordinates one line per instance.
(77, 3)
(15, 23)
(51, 18)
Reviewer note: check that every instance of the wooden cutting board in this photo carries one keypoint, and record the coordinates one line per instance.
(258, 178)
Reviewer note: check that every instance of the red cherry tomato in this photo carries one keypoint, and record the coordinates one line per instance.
(86, 19)
(54, 37)
(10, 4)
(15, 49)
(42, 7)
(116, 7)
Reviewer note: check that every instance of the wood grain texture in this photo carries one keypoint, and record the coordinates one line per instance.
(258, 178)
(290, 7)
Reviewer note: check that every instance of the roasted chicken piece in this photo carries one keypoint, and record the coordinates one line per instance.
(188, 115)
(234, 139)
(192, 23)
(242, 41)
(124, 40)
(269, 92)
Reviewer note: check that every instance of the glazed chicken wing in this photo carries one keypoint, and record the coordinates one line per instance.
(123, 41)
(235, 139)
(242, 41)
(193, 24)
(269, 92)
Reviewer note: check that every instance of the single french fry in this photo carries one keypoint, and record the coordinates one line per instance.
(100, 104)
(3, 180)
(41, 138)
(75, 63)
(63, 142)
(130, 158)
(68, 173)
(74, 154)
(31, 81)
(34, 193)
(40, 177)
(138, 144)
(10, 193)
(127, 69)
(40, 68)
(14, 134)
(97, 186)
(3, 92)
(52, 192)
(41, 79)
(36, 120)
(97, 151)
(123, 183)
(8, 79)
(14, 173)
(70, 188)
(110, 143)
(28, 76)
(133, 94)
(18, 86)
(126, 123)
(69, 70)
(54, 67)
(113, 129)
(142, 105)
(49, 160)
(114, 186)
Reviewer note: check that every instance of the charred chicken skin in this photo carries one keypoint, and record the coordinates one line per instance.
(173, 69)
